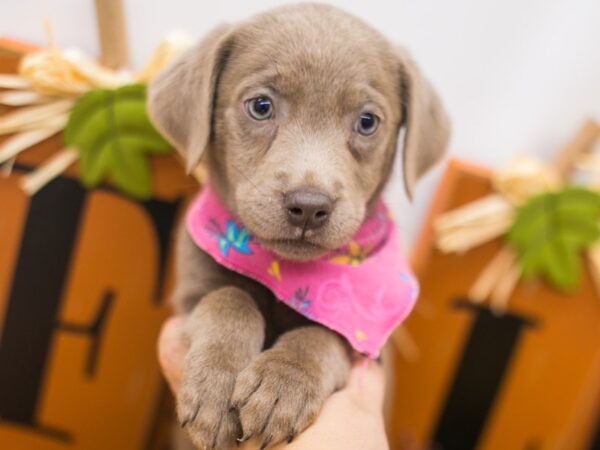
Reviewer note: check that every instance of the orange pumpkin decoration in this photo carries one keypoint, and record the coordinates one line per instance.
(84, 277)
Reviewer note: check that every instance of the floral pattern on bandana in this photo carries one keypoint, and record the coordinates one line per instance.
(234, 237)
(361, 291)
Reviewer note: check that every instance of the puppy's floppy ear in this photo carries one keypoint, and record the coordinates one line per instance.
(181, 98)
(427, 127)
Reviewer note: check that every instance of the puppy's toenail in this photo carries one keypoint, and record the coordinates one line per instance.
(266, 443)
(245, 437)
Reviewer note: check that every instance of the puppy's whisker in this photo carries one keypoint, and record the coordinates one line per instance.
(239, 171)
(256, 188)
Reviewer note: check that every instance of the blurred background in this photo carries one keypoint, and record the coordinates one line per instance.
(515, 76)
(487, 360)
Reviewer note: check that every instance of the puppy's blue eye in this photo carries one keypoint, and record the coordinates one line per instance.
(367, 124)
(260, 108)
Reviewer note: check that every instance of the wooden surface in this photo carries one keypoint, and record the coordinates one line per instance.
(119, 249)
(112, 33)
(547, 395)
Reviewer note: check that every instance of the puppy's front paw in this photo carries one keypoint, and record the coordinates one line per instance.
(277, 397)
(203, 407)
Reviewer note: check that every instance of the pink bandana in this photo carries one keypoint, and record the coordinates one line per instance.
(362, 290)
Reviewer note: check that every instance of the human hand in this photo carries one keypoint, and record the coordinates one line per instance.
(351, 419)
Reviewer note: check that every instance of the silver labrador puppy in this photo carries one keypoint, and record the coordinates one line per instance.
(297, 113)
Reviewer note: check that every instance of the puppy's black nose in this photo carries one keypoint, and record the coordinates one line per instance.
(307, 208)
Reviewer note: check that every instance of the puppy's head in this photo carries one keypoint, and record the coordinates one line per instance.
(298, 112)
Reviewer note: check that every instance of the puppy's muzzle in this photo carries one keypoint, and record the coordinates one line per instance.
(307, 208)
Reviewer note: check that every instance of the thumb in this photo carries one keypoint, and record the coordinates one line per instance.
(172, 351)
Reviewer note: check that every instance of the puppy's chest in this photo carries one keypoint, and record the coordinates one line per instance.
(278, 316)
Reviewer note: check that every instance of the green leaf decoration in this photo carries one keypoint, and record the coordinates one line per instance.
(551, 229)
(112, 132)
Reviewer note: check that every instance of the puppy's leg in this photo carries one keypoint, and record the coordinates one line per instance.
(283, 390)
(225, 332)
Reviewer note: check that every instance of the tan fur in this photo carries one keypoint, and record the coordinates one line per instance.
(322, 68)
